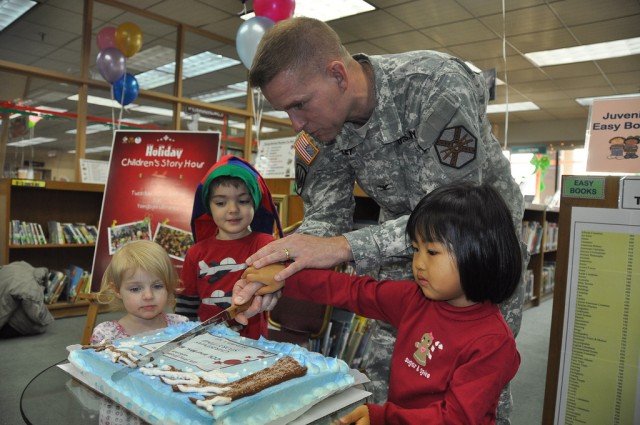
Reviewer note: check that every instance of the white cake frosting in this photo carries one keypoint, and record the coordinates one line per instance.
(220, 357)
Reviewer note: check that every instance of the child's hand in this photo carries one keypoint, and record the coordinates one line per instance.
(265, 276)
(359, 416)
(244, 290)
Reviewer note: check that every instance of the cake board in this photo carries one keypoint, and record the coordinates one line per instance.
(322, 412)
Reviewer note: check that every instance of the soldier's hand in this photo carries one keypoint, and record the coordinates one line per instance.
(306, 251)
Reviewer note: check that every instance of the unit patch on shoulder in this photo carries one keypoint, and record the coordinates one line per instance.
(305, 148)
(301, 176)
(456, 147)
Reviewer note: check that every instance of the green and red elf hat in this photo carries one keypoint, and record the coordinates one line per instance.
(265, 216)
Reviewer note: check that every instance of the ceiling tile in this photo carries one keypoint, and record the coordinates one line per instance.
(423, 14)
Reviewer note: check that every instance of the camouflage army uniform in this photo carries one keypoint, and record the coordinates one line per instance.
(429, 128)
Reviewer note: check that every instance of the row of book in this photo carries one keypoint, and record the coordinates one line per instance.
(65, 285)
(347, 337)
(528, 285)
(26, 233)
(72, 233)
(29, 233)
(547, 281)
(548, 277)
(531, 234)
(550, 236)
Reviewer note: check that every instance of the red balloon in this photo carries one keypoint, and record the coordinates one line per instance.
(276, 10)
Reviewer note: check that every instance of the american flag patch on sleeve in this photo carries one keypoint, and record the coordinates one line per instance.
(305, 148)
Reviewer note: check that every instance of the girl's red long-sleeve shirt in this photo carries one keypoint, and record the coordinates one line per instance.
(449, 364)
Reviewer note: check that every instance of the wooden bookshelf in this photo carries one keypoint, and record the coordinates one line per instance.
(39, 202)
(542, 249)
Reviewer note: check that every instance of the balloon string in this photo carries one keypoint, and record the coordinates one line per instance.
(124, 85)
(257, 107)
(113, 118)
(506, 81)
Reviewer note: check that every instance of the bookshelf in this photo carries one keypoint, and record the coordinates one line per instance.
(39, 202)
(540, 232)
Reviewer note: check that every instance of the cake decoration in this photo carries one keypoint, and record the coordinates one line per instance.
(215, 378)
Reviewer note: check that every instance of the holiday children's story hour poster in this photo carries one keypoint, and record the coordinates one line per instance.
(153, 177)
(613, 135)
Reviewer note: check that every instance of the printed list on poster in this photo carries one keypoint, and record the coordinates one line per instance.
(601, 344)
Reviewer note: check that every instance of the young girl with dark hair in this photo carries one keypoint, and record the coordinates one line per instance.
(454, 352)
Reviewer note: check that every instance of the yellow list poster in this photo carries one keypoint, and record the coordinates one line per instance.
(599, 381)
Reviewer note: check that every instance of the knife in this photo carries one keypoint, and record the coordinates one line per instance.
(223, 316)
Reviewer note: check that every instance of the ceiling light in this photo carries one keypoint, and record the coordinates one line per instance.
(11, 10)
(92, 129)
(230, 92)
(513, 107)
(93, 150)
(326, 10)
(101, 101)
(31, 142)
(192, 66)
(589, 52)
(588, 101)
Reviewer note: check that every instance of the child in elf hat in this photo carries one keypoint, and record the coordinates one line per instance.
(233, 216)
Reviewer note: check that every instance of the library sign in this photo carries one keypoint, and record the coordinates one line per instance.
(583, 187)
(152, 180)
(613, 135)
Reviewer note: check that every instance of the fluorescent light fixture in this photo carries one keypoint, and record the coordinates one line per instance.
(230, 92)
(101, 101)
(195, 65)
(93, 150)
(588, 101)
(513, 107)
(326, 10)
(32, 142)
(92, 129)
(11, 10)
(46, 109)
(589, 52)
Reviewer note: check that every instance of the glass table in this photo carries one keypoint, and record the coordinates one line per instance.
(54, 397)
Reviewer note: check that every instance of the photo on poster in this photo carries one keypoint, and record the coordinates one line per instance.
(175, 241)
(123, 233)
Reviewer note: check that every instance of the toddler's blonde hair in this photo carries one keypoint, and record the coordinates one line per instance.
(141, 254)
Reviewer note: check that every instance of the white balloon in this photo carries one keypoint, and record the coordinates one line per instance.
(248, 37)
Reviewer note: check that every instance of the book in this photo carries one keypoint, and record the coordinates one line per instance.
(75, 279)
(54, 232)
(53, 280)
(71, 235)
(341, 329)
(86, 233)
(58, 284)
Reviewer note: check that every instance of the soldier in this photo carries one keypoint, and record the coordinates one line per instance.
(400, 125)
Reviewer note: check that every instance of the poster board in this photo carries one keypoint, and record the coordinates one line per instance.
(276, 158)
(613, 135)
(594, 345)
(153, 177)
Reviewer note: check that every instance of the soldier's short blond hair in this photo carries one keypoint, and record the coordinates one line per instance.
(302, 45)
